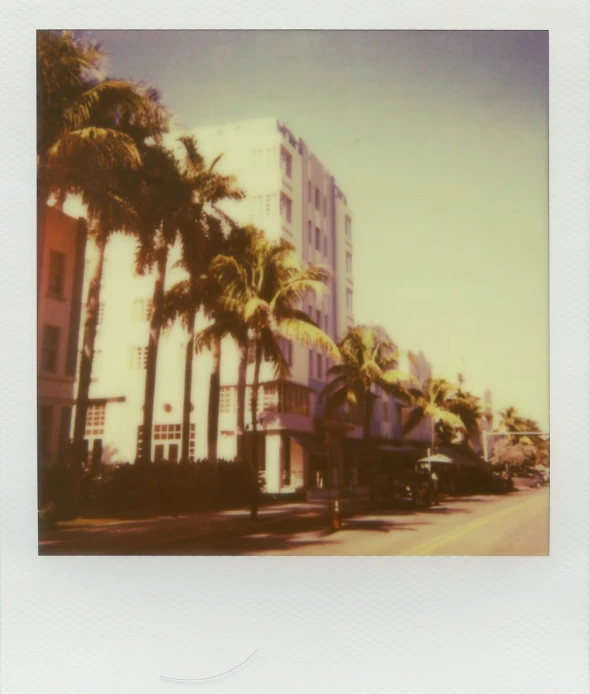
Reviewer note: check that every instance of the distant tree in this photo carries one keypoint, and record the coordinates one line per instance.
(368, 360)
(433, 402)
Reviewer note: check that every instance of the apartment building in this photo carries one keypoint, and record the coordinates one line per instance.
(60, 278)
(290, 195)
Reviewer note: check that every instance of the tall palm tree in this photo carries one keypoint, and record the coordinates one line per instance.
(202, 241)
(77, 119)
(109, 200)
(368, 360)
(170, 189)
(432, 402)
(265, 286)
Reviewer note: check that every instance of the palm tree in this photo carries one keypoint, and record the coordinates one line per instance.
(109, 200)
(264, 287)
(202, 240)
(78, 116)
(432, 402)
(369, 360)
(467, 407)
(169, 190)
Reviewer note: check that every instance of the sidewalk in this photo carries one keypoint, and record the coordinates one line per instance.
(97, 536)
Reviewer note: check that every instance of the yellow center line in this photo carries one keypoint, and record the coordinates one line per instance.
(427, 547)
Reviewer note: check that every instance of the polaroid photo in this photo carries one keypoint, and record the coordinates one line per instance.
(306, 301)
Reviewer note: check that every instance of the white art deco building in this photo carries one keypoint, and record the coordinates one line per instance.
(290, 195)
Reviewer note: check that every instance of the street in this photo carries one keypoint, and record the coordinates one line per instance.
(516, 524)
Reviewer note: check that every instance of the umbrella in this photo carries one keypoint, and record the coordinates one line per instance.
(437, 458)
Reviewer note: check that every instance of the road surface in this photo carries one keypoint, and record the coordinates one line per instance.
(516, 524)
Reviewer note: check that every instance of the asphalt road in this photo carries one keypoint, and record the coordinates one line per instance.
(516, 524)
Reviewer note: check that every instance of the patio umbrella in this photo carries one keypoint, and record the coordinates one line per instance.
(437, 458)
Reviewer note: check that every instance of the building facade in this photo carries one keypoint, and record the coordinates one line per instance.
(290, 195)
(60, 282)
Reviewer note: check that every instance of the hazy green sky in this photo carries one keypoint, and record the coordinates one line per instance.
(440, 142)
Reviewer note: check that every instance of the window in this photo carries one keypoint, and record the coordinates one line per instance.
(348, 227)
(318, 318)
(385, 411)
(227, 399)
(167, 432)
(139, 358)
(318, 239)
(293, 399)
(326, 323)
(191, 444)
(285, 207)
(318, 200)
(139, 448)
(57, 266)
(309, 311)
(159, 453)
(349, 263)
(142, 310)
(309, 233)
(50, 348)
(287, 350)
(173, 452)
(270, 397)
(95, 418)
(320, 364)
(286, 162)
(349, 300)
(310, 364)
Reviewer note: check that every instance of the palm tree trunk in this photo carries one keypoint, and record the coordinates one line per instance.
(241, 394)
(213, 414)
(152, 354)
(254, 446)
(188, 383)
(86, 358)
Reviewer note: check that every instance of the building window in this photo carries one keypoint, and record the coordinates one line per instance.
(309, 233)
(349, 300)
(310, 363)
(142, 310)
(287, 350)
(349, 263)
(159, 453)
(318, 239)
(139, 358)
(227, 399)
(285, 207)
(191, 443)
(293, 399)
(320, 364)
(167, 432)
(270, 397)
(50, 348)
(95, 418)
(318, 200)
(348, 227)
(286, 162)
(326, 246)
(309, 311)
(173, 453)
(326, 323)
(318, 318)
(385, 411)
(57, 271)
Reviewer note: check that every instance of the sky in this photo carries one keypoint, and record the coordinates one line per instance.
(439, 140)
